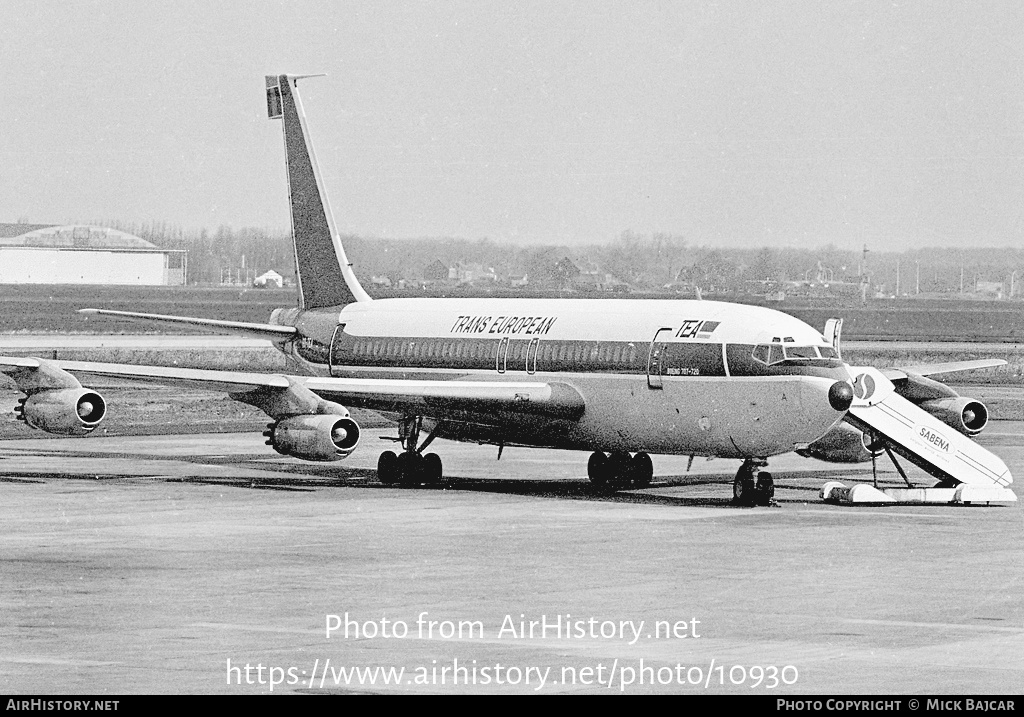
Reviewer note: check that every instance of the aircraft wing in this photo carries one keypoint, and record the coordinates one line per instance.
(415, 396)
(934, 369)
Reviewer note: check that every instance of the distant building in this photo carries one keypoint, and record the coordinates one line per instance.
(565, 270)
(436, 271)
(77, 254)
(991, 289)
(270, 279)
(472, 273)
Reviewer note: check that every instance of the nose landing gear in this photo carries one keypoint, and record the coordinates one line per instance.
(752, 486)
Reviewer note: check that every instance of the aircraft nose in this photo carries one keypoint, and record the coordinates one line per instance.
(840, 395)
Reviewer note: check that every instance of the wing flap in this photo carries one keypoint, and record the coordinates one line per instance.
(230, 381)
(427, 397)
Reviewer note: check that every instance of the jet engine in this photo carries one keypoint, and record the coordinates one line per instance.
(964, 414)
(843, 444)
(67, 411)
(314, 438)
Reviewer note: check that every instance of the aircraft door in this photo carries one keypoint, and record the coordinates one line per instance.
(833, 334)
(531, 356)
(501, 358)
(332, 354)
(656, 358)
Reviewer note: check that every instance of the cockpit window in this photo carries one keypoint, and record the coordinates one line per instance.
(801, 352)
(768, 354)
(771, 354)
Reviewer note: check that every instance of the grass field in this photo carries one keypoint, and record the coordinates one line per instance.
(36, 308)
(46, 309)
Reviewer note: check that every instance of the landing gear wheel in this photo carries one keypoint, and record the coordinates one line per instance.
(597, 469)
(744, 490)
(642, 469)
(619, 469)
(433, 471)
(765, 489)
(388, 471)
(410, 469)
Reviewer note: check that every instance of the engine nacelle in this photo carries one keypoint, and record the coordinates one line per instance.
(843, 444)
(66, 411)
(314, 438)
(964, 414)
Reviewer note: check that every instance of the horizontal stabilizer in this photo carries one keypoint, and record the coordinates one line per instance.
(271, 332)
(919, 437)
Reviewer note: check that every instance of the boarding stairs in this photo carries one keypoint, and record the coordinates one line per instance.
(967, 472)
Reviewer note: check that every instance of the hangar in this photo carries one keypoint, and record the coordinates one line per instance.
(81, 254)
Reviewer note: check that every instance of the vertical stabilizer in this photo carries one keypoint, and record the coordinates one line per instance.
(323, 271)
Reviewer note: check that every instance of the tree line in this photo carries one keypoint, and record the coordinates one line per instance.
(644, 261)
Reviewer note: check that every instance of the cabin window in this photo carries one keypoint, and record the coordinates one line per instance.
(544, 352)
(827, 352)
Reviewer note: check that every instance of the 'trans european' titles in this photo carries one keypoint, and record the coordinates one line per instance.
(545, 627)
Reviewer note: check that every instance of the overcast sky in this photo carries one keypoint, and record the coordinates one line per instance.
(732, 123)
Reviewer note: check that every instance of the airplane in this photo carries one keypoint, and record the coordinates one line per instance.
(620, 378)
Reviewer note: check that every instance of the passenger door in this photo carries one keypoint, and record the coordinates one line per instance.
(656, 358)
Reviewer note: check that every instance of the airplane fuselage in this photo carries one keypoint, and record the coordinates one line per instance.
(673, 376)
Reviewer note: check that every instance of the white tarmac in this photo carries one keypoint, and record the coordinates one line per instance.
(146, 564)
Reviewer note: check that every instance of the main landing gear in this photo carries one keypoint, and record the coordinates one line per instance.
(619, 470)
(753, 486)
(411, 467)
